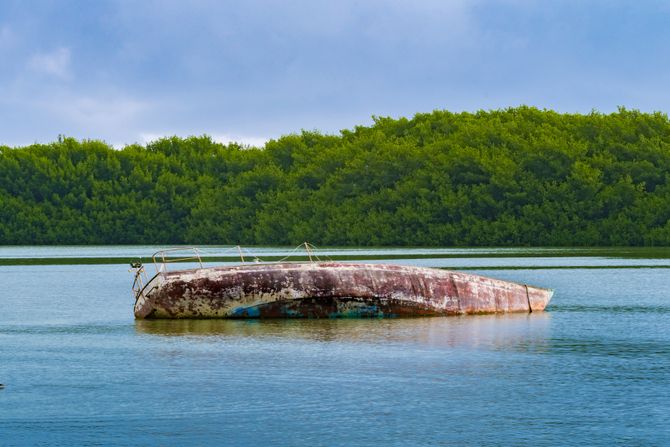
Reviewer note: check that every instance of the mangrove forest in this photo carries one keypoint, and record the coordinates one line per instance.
(513, 177)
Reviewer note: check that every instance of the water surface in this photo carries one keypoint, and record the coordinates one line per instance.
(594, 369)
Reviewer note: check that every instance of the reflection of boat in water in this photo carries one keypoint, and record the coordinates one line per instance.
(493, 330)
(324, 290)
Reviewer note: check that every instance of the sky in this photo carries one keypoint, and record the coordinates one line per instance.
(133, 71)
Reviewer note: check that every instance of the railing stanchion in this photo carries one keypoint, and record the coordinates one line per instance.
(309, 252)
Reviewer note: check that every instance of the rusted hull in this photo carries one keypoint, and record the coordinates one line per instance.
(330, 290)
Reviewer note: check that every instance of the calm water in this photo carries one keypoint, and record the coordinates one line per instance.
(593, 370)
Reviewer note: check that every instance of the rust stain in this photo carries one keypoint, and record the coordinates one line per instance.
(330, 290)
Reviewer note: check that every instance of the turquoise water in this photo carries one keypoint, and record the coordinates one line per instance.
(592, 370)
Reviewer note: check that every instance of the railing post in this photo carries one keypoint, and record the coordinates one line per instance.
(309, 253)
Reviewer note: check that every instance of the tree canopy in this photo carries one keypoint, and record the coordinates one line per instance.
(518, 176)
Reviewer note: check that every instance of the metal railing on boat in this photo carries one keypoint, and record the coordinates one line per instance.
(162, 262)
(162, 258)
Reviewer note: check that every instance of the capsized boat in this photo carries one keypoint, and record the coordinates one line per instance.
(323, 289)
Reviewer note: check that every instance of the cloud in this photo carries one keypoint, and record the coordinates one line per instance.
(7, 37)
(246, 140)
(109, 116)
(244, 71)
(103, 111)
(55, 63)
(223, 138)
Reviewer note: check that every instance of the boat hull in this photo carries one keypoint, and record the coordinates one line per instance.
(330, 290)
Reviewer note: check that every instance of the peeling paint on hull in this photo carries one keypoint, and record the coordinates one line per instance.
(330, 290)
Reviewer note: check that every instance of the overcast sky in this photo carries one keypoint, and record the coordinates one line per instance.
(132, 71)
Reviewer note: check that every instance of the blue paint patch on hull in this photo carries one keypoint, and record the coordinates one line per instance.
(246, 312)
(327, 307)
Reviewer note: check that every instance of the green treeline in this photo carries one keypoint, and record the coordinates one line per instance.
(519, 176)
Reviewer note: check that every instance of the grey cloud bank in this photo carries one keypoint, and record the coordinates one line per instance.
(128, 72)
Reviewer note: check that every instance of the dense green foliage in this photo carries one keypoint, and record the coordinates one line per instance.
(519, 176)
